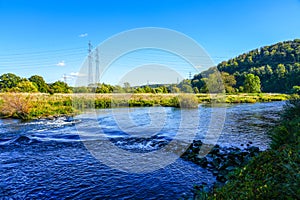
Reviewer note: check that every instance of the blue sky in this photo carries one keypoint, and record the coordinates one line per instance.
(50, 37)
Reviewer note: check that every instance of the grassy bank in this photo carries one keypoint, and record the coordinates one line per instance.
(273, 174)
(38, 105)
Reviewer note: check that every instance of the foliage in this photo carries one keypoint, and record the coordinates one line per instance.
(8, 81)
(296, 89)
(186, 101)
(287, 130)
(277, 66)
(60, 87)
(16, 105)
(229, 82)
(25, 86)
(271, 175)
(40, 83)
(252, 84)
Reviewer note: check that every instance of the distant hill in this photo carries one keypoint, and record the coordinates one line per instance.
(277, 66)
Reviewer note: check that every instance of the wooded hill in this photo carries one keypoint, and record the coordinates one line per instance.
(277, 67)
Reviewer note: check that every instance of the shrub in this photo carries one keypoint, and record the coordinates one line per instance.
(287, 130)
(271, 175)
(16, 105)
(186, 101)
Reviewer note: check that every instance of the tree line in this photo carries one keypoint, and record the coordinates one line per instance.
(10, 82)
(274, 68)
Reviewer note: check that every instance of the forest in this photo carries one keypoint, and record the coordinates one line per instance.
(274, 68)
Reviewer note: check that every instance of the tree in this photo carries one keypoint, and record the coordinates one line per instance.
(25, 86)
(148, 89)
(127, 87)
(139, 90)
(8, 81)
(214, 83)
(296, 89)
(40, 83)
(187, 88)
(229, 81)
(60, 87)
(81, 89)
(175, 89)
(196, 90)
(280, 70)
(252, 84)
(118, 89)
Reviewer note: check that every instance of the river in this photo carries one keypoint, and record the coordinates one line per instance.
(53, 159)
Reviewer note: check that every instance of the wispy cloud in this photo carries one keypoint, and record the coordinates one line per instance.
(61, 64)
(76, 74)
(83, 35)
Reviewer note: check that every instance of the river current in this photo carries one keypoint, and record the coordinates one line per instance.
(53, 159)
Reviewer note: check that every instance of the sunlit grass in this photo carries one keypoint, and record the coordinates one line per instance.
(39, 105)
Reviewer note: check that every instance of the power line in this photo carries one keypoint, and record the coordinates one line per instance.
(42, 52)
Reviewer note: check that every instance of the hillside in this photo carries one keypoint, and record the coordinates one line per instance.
(277, 66)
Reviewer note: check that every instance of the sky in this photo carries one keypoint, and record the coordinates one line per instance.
(50, 37)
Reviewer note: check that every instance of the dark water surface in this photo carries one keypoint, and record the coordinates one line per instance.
(47, 159)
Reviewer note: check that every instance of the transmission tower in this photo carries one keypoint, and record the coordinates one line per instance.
(90, 71)
(97, 75)
(65, 78)
(190, 75)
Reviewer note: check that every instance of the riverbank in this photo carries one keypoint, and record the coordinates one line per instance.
(272, 174)
(38, 105)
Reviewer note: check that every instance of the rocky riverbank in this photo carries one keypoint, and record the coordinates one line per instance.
(220, 160)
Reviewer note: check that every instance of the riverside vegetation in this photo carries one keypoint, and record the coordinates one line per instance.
(245, 79)
(39, 105)
(272, 174)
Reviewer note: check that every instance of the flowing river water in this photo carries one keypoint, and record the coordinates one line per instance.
(50, 159)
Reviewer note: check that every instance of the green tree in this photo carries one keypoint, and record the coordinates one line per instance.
(40, 83)
(25, 86)
(252, 84)
(280, 70)
(8, 81)
(148, 89)
(229, 81)
(296, 89)
(139, 90)
(118, 89)
(104, 88)
(187, 88)
(175, 89)
(127, 87)
(214, 83)
(81, 89)
(196, 90)
(60, 87)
